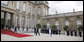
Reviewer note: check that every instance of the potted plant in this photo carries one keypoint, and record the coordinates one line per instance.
(38, 26)
(44, 28)
(54, 29)
(65, 28)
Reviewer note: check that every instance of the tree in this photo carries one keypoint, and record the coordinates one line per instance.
(65, 28)
(80, 28)
(38, 26)
(54, 26)
(44, 26)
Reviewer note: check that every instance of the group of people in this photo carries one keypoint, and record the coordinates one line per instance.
(71, 32)
(38, 30)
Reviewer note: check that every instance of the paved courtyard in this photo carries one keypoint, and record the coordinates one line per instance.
(42, 37)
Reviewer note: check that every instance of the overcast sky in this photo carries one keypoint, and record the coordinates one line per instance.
(65, 6)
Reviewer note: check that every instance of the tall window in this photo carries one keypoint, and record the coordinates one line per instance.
(18, 5)
(4, 3)
(22, 21)
(16, 21)
(29, 9)
(28, 22)
(2, 15)
(38, 21)
(39, 11)
(9, 18)
(57, 24)
(44, 11)
(33, 22)
(33, 10)
(23, 6)
(78, 22)
(67, 22)
(48, 24)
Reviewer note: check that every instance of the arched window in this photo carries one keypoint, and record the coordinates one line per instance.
(79, 21)
(48, 24)
(57, 23)
(66, 21)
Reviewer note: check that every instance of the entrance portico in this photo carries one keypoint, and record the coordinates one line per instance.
(7, 19)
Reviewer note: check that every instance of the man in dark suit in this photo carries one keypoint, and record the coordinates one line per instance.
(15, 29)
(36, 31)
(75, 31)
(23, 28)
(71, 32)
(27, 28)
(80, 34)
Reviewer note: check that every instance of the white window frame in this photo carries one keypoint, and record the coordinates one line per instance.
(2, 15)
(4, 3)
(33, 22)
(24, 6)
(48, 24)
(78, 21)
(67, 22)
(38, 21)
(28, 22)
(29, 9)
(16, 21)
(18, 5)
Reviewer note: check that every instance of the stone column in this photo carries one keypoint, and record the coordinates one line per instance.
(6, 18)
(35, 17)
(21, 5)
(25, 21)
(41, 17)
(19, 20)
(13, 20)
(31, 17)
(81, 19)
(27, 7)
(73, 23)
(62, 24)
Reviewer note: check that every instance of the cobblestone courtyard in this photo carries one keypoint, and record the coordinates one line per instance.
(42, 37)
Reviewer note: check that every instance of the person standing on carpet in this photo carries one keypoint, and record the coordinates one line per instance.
(15, 29)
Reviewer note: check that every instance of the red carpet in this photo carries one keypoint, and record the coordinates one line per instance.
(11, 33)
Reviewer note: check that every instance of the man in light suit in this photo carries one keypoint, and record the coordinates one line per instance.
(50, 31)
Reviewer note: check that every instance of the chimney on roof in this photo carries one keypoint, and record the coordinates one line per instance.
(73, 10)
(56, 12)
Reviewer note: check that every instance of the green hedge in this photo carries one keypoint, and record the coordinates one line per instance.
(80, 28)
(65, 28)
(54, 26)
(44, 26)
(38, 26)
